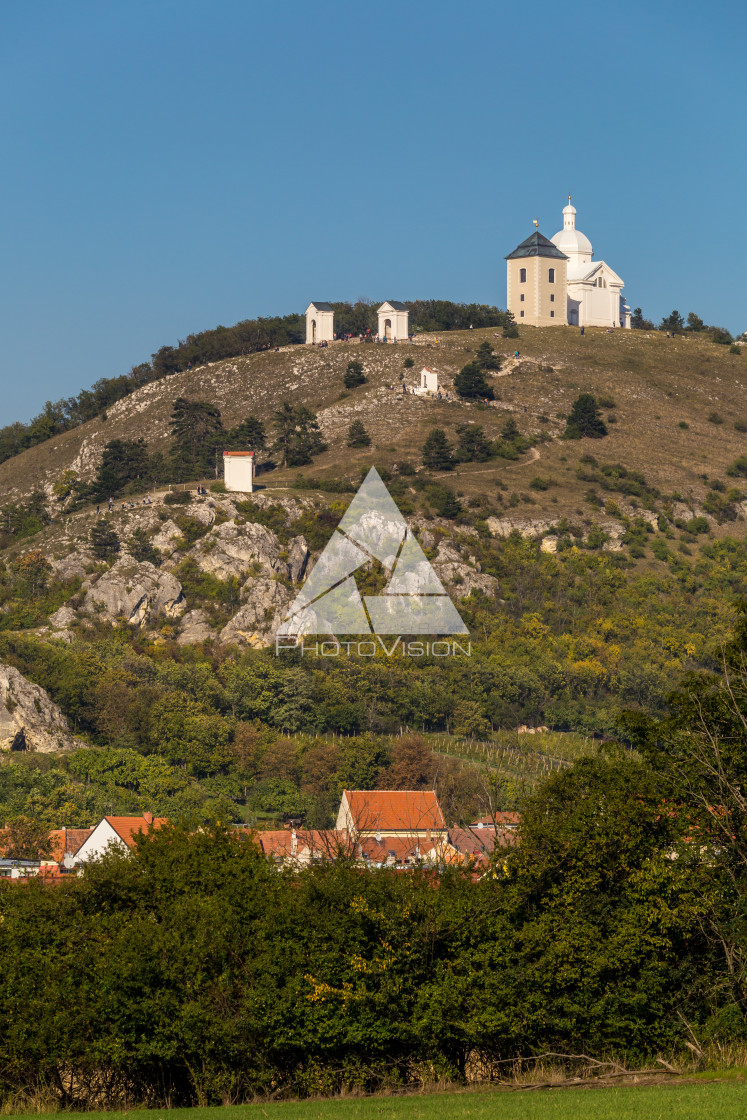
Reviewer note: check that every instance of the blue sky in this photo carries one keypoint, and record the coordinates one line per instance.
(174, 164)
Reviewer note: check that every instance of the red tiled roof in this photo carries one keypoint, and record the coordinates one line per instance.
(66, 841)
(394, 809)
(279, 842)
(127, 828)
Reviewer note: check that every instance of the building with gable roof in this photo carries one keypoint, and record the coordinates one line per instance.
(394, 319)
(116, 832)
(556, 281)
(391, 812)
(320, 323)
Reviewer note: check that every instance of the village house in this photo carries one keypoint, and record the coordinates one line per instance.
(115, 832)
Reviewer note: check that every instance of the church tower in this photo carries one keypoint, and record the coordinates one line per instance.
(536, 282)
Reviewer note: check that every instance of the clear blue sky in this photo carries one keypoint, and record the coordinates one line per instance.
(169, 165)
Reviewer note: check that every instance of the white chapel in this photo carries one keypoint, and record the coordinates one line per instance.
(556, 281)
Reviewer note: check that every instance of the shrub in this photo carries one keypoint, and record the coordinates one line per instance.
(218, 488)
(141, 548)
(409, 363)
(715, 418)
(357, 435)
(740, 425)
(734, 349)
(738, 469)
(178, 498)
(684, 425)
(354, 375)
(539, 483)
(606, 402)
(697, 525)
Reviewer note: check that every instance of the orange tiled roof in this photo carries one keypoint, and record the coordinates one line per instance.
(127, 828)
(279, 842)
(66, 841)
(395, 809)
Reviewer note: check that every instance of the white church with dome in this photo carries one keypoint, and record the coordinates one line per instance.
(556, 281)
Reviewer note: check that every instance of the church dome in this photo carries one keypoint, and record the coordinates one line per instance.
(570, 240)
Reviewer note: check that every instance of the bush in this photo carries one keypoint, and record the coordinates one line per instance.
(584, 419)
(606, 402)
(354, 375)
(738, 469)
(178, 498)
(357, 435)
(740, 425)
(734, 349)
(218, 488)
(539, 483)
(141, 548)
(697, 525)
(715, 418)
(409, 363)
(684, 425)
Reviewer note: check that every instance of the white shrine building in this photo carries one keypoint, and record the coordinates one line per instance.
(555, 282)
(320, 323)
(394, 320)
(238, 471)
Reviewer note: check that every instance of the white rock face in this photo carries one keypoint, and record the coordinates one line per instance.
(231, 550)
(450, 567)
(194, 628)
(29, 720)
(260, 617)
(134, 593)
(63, 618)
(73, 565)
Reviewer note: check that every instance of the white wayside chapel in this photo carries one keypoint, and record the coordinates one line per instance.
(394, 320)
(238, 471)
(320, 323)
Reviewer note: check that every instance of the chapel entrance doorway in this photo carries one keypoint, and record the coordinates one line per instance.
(387, 329)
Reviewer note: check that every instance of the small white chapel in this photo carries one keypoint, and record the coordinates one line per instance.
(555, 281)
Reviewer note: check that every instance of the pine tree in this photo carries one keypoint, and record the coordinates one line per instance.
(298, 437)
(141, 548)
(104, 541)
(472, 444)
(197, 430)
(249, 434)
(486, 359)
(122, 461)
(584, 419)
(437, 452)
(470, 383)
(354, 375)
(357, 435)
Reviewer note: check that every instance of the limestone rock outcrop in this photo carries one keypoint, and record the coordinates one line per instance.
(232, 550)
(194, 628)
(462, 577)
(259, 619)
(29, 720)
(135, 593)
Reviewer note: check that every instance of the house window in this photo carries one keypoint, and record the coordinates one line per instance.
(522, 276)
(521, 297)
(552, 299)
(551, 276)
(552, 314)
(521, 313)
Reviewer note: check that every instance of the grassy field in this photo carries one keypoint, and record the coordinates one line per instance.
(725, 1100)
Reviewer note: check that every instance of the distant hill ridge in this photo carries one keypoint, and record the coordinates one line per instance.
(245, 337)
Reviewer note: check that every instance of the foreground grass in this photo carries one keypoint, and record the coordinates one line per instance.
(721, 1100)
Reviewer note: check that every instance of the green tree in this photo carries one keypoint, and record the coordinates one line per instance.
(354, 375)
(672, 322)
(694, 322)
(104, 541)
(249, 434)
(470, 383)
(472, 444)
(25, 838)
(298, 437)
(485, 358)
(123, 461)
(437, 451)
(357, 435)
(197, 429)
(639, 323)
(141, 548)
(585, 420)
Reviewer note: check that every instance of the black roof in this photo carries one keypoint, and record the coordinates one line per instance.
(396, 306)
(537, 245)
(322, 306)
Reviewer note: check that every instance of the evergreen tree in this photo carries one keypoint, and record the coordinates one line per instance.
(584, 419)
(510, 429)
(694, 322)
(510, 330)
(470, 383)
(122, 461)
(357, 435)
(197, 430)
(104, 541)
(298, 437)
(638, 323)
(141, 548)
(249, 434)
(354, 375)
(486, 359)
(472, 444)
(437, 452)
(673, 322)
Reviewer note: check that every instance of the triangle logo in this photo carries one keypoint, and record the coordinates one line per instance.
(414, 600)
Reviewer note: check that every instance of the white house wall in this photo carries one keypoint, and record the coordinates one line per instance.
(102, 837)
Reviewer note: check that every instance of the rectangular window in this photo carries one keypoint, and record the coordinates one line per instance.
(551, 276)
(522, 297)
(521, 313)
(552, 299)
(552, 314)
(522, 276)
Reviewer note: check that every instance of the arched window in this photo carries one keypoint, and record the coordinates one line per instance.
(522, 276)
(551, 276)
